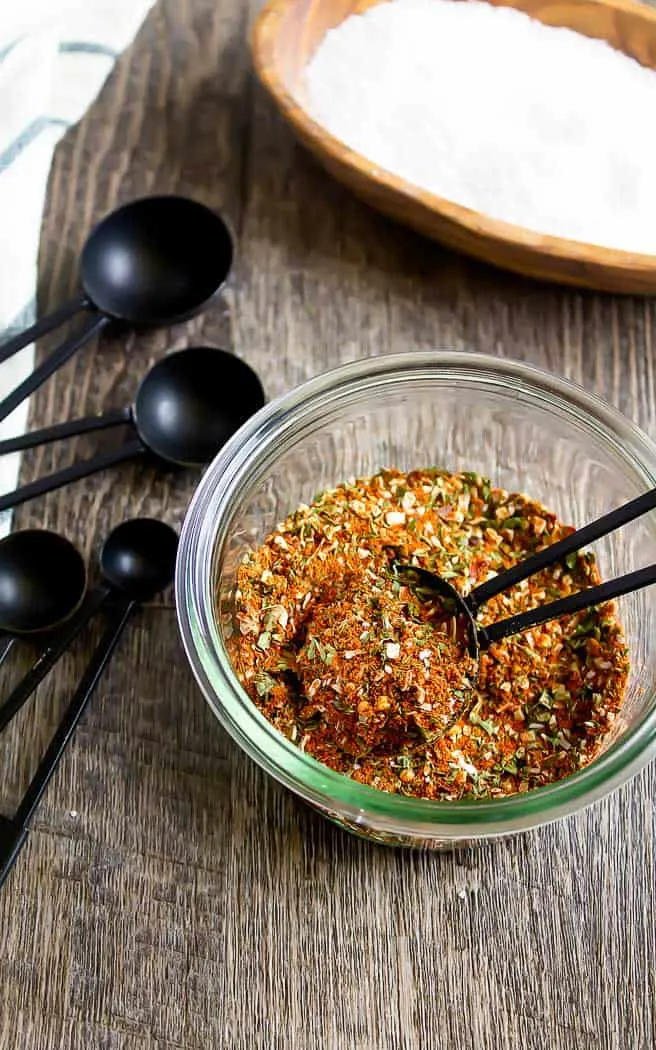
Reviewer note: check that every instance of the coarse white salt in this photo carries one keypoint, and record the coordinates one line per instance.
(490, 109)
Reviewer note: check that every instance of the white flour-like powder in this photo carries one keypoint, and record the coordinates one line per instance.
(486, 107)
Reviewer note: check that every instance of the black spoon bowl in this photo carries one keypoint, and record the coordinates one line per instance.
(137, 561)
(42, 581)
(155, 261)
(185, 409)
(192, 401)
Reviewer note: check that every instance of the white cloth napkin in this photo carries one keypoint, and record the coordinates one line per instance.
(55, 56)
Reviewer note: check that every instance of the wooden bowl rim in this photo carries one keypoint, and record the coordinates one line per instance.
(479, 224)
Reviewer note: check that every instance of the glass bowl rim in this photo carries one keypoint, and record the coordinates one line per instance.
(210, 663)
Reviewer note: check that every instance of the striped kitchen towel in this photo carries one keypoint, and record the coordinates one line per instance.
(55, 56)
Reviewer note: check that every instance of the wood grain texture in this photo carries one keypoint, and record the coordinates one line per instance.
(287, 33)
(171, 896)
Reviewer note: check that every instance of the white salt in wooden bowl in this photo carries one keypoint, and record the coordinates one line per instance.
(288, 32)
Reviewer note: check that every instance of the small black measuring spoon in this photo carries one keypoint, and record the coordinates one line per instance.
(137, 561)
(465, 607)
(152, 262)
(185, 409)
(130, 558)
(42, 583)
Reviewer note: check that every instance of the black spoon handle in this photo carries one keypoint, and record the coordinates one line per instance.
(56, 359)
(50, 655)
(13, 831)
(632, 581)
(12, 837)
(72, 473)
(118, 617)
(558, 551)
(42, 327)
(71, 428)
(6, 645)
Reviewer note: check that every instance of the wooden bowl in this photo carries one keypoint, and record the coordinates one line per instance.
(285, 36)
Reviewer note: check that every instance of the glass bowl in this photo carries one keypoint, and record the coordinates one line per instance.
(525, 429)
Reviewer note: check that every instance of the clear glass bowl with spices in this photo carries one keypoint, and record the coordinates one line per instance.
(528, 432)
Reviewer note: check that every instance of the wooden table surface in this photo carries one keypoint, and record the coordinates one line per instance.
(170, 894)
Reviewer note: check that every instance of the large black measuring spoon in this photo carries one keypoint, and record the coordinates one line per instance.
(137, 560)
(185, 409)
(155, 261)
(463, 608)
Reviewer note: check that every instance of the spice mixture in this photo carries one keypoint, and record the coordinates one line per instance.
(462, 100)
(365, 672)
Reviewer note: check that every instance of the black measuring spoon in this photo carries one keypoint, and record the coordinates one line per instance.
(137, 561)
(465, 607)
(42, 583)
(152, 262)
(477, 638)
(185, 409)
(131, 559)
